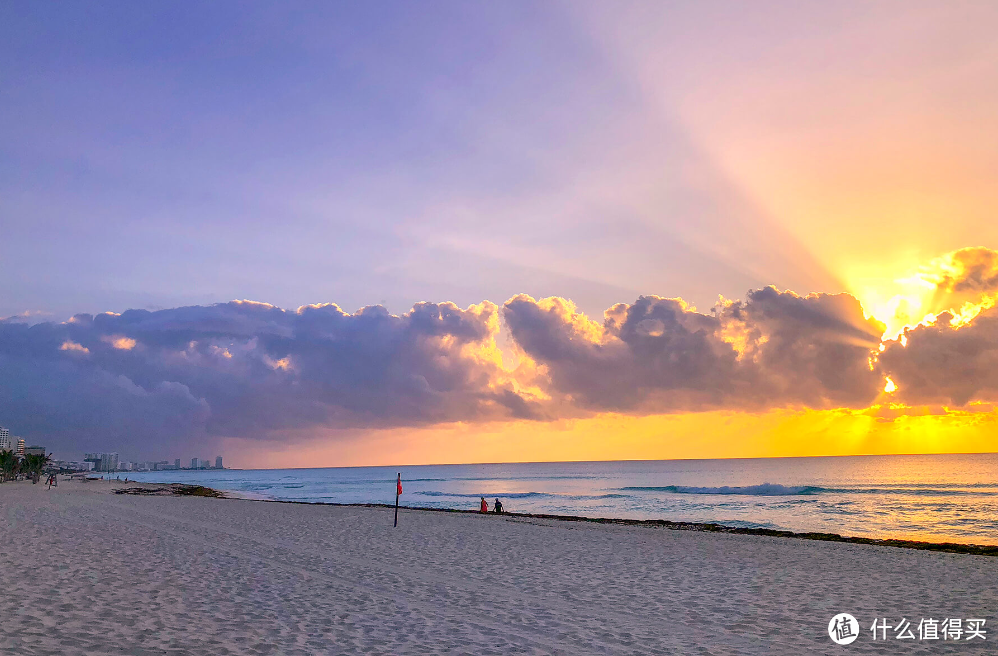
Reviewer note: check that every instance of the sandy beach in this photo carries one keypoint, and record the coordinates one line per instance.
(91, 572)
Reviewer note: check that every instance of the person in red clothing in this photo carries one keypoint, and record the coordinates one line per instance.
(485, 505)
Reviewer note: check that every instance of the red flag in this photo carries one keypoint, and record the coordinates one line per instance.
(399, 493)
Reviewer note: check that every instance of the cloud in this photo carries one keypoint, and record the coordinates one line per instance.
(119, 342)
(962, 283)
(773, 349)
(972, 269)
(950, 358)
(654, 347)
(944, 363)
(73, 346)
(153, 381)
(812, 350)
(192, 374)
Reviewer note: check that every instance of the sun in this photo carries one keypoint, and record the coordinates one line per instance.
(933, 289)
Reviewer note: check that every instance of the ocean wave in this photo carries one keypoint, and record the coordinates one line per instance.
(777, 490)
(501, 495)
(524, 495)
(506, 477)
(763, 490)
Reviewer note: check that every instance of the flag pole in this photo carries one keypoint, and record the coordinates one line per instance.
(398, 492)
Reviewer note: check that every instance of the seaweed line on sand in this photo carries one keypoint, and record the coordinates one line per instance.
(173, 489)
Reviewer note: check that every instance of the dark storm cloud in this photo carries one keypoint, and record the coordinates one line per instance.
(243, 368)
(772, 349)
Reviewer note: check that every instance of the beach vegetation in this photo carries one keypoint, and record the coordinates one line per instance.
(34, 464)
(10, 465)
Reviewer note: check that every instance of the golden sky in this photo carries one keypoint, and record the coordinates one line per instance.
(782, 433)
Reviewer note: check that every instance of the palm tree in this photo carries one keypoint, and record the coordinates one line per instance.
(8, 465)
(34, 464)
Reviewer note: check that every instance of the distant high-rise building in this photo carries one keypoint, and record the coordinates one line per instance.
(20, 447)
(34, 451)
(103, 462)
(218, 462)
(5, 444)
(197, 463)
(176, 463)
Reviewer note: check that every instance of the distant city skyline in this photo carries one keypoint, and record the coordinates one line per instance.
(11, 442)
(112, 462)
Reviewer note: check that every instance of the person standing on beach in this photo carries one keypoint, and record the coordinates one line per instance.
(485, 506)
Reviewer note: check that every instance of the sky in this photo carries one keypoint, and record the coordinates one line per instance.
(385, 233)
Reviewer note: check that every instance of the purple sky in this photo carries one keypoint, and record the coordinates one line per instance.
(161, 155)
(158, 155)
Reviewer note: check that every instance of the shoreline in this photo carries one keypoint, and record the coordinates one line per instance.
(183, 489)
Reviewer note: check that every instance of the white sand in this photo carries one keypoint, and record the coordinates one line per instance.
(88, 572)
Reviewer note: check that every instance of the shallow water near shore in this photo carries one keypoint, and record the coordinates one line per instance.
(933, 498)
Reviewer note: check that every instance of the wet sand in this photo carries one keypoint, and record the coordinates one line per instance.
(86, 571)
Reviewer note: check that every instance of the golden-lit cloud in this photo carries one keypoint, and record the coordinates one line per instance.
(961, 283)
(774, 373)
(120, 342)
(284, 364)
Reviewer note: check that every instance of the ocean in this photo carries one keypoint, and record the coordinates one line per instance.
(936, 498)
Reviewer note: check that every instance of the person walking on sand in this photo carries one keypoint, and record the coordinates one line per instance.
(497, 507)
(485, 506)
